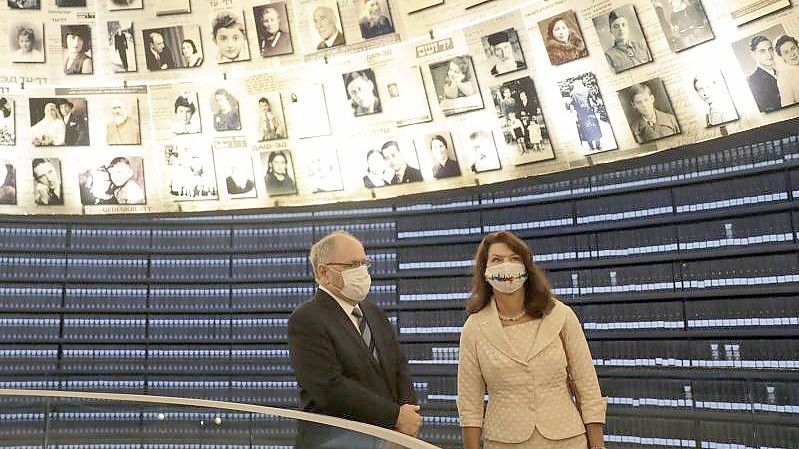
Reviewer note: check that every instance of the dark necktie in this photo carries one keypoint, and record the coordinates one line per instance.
(366, 333)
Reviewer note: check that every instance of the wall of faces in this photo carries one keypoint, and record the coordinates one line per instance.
(136, 106)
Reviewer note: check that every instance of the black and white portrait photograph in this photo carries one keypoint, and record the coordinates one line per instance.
(24, 4)
(186, 114)
(59, 121)
(770, 60)
(442, 157)
(374, 18)
(170, 7)
(325, 22)
(8, 122)
(113, 180)
(455, 81)
(48, 188)
(504, 52)
(122, 121)
(8, 188)
(271, 124)
(324, 172)
(70, 3)
(563, 38)
(76, 44)
(121, 46)
(279, 173)
(230, 37)
(713, 98)
(684, 23)
(482, 151)
(172, 47)
(273, 29)
(191, 172)
(26, 42)
(583, 100)
(522, 121)
(236, 167)
(226, 111)
(622, 38)
(362, 92)
(391, 162)
(118, 5)
(305, 105)
(649, 111)
(407, 101)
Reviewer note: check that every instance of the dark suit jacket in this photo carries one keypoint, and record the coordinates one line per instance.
(765, 90)
(411, 175)
(339, 40)
(166, 58)
(336, 373)
(77, 132)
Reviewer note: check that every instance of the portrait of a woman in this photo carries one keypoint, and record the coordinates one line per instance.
(191, 55)
(563, 40)
(27, 46)
(50, 130)
(77, 43)
(278, 180)
(443, 165)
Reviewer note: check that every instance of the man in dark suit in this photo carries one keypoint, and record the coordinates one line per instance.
(344, 352)
(402, 171)
(326, 25)
(159, 56)
(121, 46)
(274, 41)
(77, 132)
(763, 81)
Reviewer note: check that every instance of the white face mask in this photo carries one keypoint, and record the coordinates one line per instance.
(506, 277)
(356, 283)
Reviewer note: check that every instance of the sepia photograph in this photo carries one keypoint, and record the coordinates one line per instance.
(622, 38)
(522, 121)
(390, 163)
(230, 37)
(8, 189)
(306, 110)
(482, 152)
(278, 173)
(713, 98)
(770, 60)
(24, 4)
(374, 18)
(26, 42)
(563, 38)
(226, 111)
(271, 122)
(236, 167)
(407, 96)
(190, 171)
(324, 172)
(8, 122)
(170, 7)
(59, 121)
(76, 44)
(455, 82)
(115, 180)
(48, 189)
(172, 47)
(119, 5)
(684, 23)
(273, 30)
(504, 52)
(187, 114)
(649, 111)
(362, 92)
(583, 100)
(121, 46)
(123, 124)
(444, 161)
(325, 21)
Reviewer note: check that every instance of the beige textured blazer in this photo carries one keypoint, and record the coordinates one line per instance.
(525, 393)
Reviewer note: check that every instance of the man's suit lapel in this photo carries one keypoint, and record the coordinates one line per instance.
(382, 343)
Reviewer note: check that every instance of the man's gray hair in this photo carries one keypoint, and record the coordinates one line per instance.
(322, 249)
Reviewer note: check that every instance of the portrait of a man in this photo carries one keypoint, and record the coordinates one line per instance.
(123, 128)
(622, 38)
(400, 164)
(717, 104)
(375, 18)
(649, 111)
(230, 37)
(47, 186)
(158, 55)
(362, 92)
(504, 51)
(274, 35)
(684, 23)
(327, 26)
(120, 180)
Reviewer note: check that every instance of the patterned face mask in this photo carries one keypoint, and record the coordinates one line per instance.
(506, 277)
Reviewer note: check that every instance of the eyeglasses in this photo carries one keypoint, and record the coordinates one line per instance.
(366, 262)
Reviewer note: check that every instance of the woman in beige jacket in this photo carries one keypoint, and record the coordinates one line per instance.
(528, 349)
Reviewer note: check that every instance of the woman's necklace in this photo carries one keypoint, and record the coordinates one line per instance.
(512, 318)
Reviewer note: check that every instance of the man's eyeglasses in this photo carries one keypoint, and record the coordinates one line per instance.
(366, 262)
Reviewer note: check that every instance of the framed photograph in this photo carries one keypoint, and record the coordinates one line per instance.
(324, 172)
(622, 38)
(362, 92)
(563, 38)
(173, 47)
(187, 118)
(271, 121)
(76, 44)
(325, 25)
(48, 190)
(26, 42)
(59, 121)
(272, 27)
(190, 168)
(713, 98)
(230, 36)
(114, 180)
(24, 4)
(8, 122)
(236, 167)
(456, 85)
(412, 6)
(391, 162)
(226, 111)
(482, 152)
(306, 110)
(442, 157)
(407, 96)
(8, 190)
(504, 52)
(770, 59)
(170, 7)
(584, 101)
(649, 111)
(374, 18)
(121, 46)
(745, 11)
(122, 122)
(118, 5)
(278, 173)
(522, 121)
(684, 23)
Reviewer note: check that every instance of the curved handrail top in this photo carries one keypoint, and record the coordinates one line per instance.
(367, 429)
